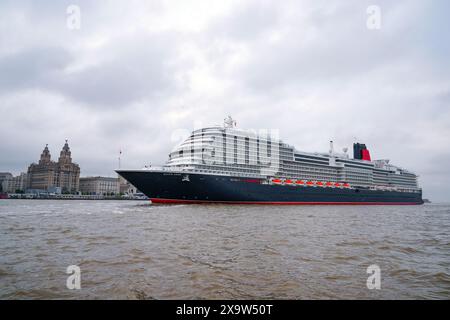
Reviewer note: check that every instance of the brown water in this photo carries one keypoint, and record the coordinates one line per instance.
(132, 249)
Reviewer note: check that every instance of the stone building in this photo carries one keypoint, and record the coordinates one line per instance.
(15, 184)
(99, 185)
(3, 177)
(48, 174)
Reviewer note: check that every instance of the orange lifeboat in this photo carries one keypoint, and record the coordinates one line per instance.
(300, 182)
(337, 184)
(329, 184)
(346, 185)
(310, 183)
(319, 183)
(288, 181)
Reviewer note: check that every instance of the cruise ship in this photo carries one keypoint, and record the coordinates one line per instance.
(224, 164)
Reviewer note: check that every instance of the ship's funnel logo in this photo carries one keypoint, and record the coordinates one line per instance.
(361, 152)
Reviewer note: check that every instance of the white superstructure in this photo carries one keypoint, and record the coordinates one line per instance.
(226, 150)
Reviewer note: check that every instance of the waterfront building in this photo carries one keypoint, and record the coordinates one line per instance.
(99, 185)
(15, 184)
(48, 174)
(4, 176)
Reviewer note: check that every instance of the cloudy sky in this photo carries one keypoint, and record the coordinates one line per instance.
(137, 75)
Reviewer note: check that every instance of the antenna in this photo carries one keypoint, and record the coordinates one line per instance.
(120, 153)
(331, 148)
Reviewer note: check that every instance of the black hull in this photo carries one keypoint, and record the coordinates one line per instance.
(169, 187)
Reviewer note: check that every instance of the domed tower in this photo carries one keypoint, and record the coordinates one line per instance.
(68, 175)
(65, 155)
(45, 156)
(41, 175)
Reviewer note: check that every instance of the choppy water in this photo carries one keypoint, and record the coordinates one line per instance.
(129, 250)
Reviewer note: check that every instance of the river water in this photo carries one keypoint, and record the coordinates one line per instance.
(136, 250)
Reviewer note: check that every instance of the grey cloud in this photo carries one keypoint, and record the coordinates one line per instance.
(31, 68)
(334, 53)
(139, 69)
(247, 22)
(141, 72)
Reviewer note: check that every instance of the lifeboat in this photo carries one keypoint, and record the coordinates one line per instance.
(329, 184)
(300, 182)
(276, 181)
(310, 183)
(288, 181)
(346, 185)
(319, 183)
(337, 184)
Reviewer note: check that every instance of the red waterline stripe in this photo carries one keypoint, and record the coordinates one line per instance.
(180, 201)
